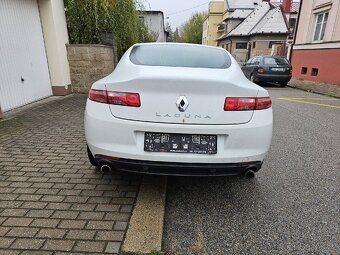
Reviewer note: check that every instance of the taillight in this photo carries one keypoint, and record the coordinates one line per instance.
(116, 98)
(260, 70)
(123, 98)
(247, 103)
(263, 103)
(239, 104)
(99, 96)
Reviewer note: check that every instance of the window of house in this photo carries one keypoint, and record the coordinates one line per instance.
(254, 45)
(320, 26)
(315, 71)
(304, 70)
(272, 43)
(242, 45)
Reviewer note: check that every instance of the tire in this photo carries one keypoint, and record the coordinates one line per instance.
(283, 84)
(252, 78)
(91, 158)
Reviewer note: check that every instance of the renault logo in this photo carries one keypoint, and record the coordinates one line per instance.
(182, 103)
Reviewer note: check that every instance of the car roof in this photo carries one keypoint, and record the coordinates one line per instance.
(180, 44)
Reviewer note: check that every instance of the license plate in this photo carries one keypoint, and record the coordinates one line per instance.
(278, 69)
(180, 143)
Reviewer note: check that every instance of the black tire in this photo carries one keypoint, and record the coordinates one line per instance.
(91, 158)
(283, 84)
(252, 78)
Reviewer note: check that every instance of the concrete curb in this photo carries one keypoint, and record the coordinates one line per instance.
(319, 88)
(145, 231)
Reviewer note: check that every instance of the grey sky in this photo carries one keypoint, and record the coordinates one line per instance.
(169, 7)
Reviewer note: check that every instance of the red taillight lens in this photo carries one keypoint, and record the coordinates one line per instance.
(260, 70)
(123, 98)
(239, 104)
(116, 98)
(263, 103)
(98, 96)
(247, 103)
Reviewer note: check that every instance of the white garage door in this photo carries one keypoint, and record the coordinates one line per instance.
(24, 75)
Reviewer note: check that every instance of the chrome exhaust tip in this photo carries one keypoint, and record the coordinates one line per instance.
(105, 168)
(250, 174)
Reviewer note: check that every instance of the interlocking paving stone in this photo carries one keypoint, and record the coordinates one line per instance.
(58, 245)
(52, 200)
(22, 232)
(113, 247)
(51, 233)
(120, 225)
(27, 243)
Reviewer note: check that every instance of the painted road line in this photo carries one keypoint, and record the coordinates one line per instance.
(145, 231)
(306, 102)
(309, 98)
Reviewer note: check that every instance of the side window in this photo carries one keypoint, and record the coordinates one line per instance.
(256, 61)
(249, 61)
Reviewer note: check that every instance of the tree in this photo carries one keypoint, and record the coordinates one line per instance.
(176, 36)
(89, 20)
(168, 28)
(192, 29)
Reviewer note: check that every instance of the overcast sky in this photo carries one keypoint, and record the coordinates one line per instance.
(176, 9)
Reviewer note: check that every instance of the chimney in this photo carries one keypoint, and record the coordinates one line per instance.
(286, 6)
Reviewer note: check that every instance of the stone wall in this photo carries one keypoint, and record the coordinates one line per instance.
(89, 63)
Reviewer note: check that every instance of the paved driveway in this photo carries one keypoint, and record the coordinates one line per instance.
(51, 198)
(291, 207)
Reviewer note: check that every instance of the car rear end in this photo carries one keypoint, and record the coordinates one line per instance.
(274, 69)
(178, 116)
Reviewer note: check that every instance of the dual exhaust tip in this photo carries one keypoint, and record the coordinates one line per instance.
(105, 167)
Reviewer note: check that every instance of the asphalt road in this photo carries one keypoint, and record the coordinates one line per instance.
(291, 207)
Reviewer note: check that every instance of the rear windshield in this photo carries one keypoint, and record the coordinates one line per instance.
(180, 56)
(275, 61)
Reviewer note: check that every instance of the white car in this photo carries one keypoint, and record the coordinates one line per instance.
(178, 109)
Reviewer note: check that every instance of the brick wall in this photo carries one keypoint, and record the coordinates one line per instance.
(89, 63)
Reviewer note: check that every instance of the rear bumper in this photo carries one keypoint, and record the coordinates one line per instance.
(124, 139)
(273, 77)
(179, 169)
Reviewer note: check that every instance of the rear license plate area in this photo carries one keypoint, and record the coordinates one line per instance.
(278, 69)
(180, 143)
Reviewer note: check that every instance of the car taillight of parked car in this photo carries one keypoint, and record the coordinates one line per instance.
(260, 70)
(247, 103)
(115, 98)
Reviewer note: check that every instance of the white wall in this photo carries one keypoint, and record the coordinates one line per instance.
(155, 22)
(54, 27)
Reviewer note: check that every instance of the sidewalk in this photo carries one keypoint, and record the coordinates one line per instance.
(52, 200)
(320, 88)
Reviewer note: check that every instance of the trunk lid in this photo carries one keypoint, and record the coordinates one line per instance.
(162, 89)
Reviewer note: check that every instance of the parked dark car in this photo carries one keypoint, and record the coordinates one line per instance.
(268, 69)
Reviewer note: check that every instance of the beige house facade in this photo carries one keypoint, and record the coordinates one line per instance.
(212, 29)
(316, 52)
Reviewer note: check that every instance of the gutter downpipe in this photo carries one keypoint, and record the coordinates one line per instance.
(296, 30)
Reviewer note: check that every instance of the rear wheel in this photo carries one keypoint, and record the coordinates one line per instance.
(252, 78)
(91, 158)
